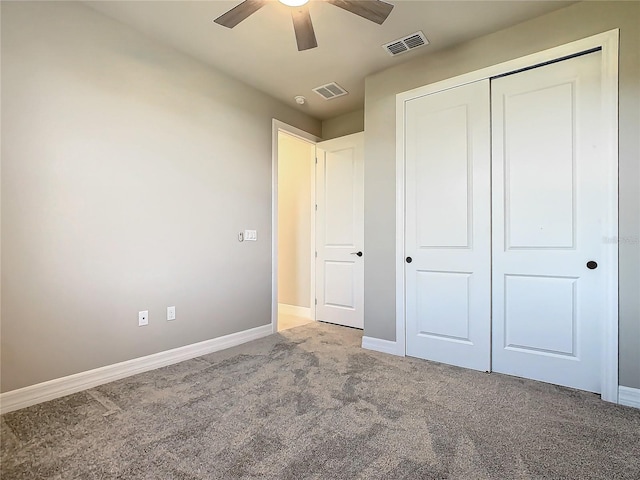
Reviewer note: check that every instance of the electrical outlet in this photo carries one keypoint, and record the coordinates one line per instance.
(143, 318)
(171, 313)
(250, 235)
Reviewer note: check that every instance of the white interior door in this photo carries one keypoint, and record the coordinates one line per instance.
(340, 231)
(448, 226)
(549, 200)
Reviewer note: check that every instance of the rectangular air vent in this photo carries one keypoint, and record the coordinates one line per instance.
(330, 90)
(405, 44)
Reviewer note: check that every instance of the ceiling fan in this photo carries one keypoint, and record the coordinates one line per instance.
(375, 10)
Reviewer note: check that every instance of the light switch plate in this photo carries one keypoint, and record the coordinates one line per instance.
(250, 235)
(171, 313)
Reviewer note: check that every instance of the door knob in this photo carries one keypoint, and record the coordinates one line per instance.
(357, 253)
(591, 265)
(409, 259)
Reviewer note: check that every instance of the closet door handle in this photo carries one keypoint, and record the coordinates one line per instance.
(409, 259)
(357, 253)
(591, 265)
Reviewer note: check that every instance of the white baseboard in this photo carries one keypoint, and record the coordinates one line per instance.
(296, 310)
(59, 387)
(380, 345)
(629, 396)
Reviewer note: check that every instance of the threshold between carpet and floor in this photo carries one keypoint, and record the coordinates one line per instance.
(309, 403)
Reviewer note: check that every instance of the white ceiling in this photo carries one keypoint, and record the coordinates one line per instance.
(261, 51)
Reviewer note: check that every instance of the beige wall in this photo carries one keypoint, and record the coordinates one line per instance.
(343, 125)
(563, 26)
(128, 170)
(295, 167)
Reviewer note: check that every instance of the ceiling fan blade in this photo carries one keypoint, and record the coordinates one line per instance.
(374, 10)
(240, 12)
(305, 36)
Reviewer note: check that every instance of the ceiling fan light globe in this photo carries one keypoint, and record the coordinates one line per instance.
(293, 3)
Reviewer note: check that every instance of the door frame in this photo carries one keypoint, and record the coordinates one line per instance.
(608, 43)
(278, 126)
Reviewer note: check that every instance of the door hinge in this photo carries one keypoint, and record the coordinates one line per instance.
(316, 160)
(316, 254)
(316, 301)
(316, 207)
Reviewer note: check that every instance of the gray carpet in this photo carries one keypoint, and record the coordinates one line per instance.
(311, 404)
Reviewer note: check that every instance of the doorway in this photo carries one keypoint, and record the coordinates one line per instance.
(295, 231)
(318, 229)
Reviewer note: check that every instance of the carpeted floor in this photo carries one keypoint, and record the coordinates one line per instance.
(309, 403)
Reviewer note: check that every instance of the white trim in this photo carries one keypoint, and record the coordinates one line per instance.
(610, 372)
(295, 310)
(59, 387)
(278, 126)
(629, 396)
(380, 345)
(608, 43)
(400, 212)
(312, 237)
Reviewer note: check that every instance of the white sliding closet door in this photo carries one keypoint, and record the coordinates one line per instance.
(447, 240)
(549, 200)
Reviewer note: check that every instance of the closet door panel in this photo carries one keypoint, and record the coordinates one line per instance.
(549, 200)
(448, 226)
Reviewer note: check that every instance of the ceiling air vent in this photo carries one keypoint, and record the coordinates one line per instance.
(330, 90)
(405, 44)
